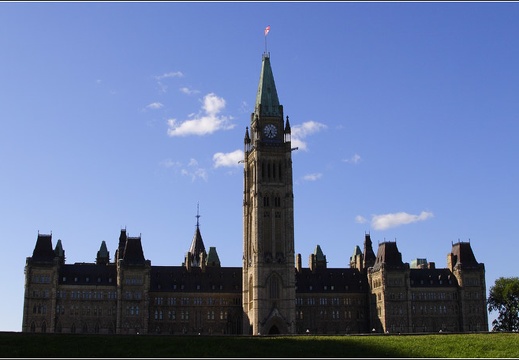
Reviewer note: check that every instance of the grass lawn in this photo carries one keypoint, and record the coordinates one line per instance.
(482, 345)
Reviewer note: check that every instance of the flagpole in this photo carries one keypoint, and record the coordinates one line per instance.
(267, 29)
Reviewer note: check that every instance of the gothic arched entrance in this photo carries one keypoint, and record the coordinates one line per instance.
(274, 330)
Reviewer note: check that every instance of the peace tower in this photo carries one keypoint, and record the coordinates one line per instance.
(268, 216)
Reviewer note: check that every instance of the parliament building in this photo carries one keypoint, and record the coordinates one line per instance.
(272, 292)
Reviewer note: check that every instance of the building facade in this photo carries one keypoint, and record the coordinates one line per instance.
(272, 293)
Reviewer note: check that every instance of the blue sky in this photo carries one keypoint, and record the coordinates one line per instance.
(128, 115)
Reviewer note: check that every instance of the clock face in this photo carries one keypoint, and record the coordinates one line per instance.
(270, 131)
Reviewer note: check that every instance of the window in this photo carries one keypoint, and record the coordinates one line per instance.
(266, 201)
(274, 287)
(277, 201)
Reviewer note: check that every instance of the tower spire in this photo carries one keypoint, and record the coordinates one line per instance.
(197, 215)
(197, 247)
(267, 101)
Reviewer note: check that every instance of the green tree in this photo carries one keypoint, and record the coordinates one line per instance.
(504, 298)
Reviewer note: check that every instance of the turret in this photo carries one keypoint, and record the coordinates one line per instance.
(103, 255)
(356, 260)
(247, 140)
(197, 248)
(288, 131)
(369, 255)
(317, 259)
(59, 252)
(212, 258)
(120, 248)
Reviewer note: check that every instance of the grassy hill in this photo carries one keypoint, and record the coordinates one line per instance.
(481, 345)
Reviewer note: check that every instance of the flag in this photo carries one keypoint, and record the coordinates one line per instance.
(267, 29)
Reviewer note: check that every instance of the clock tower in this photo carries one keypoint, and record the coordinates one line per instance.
(268, 293)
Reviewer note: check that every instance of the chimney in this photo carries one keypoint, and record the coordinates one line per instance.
(298, 262)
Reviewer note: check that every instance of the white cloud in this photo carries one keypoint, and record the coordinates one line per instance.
(199, 173)
(191, 169)
(300, 132)
(360, 219)
(206, 123)
(355, 159)
(171, 74)
(168, 163)
(386, 221)
(313, 177)
(194, 171)
(188, 91)
(154, 106)
(228, 159)
(244, 107)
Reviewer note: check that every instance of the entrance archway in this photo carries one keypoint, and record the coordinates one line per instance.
(274, 330)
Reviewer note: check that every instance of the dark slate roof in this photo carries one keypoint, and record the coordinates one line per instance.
(267, 95)
(88, 274)
(369, 255)
(213, 279)
(246, 140)
(43, 251)
(336, 280)
(288, 130)
(122, 242)
(463, 255)
(197, 247)
(432, 278)
(133, 254)
(389, 256)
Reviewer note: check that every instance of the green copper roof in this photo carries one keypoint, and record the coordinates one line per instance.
(103, 251)
(212, 257)
(58, 250)
(267, 95)
(357, 251)
(319, 253)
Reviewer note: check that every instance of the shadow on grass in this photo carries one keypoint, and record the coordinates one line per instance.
(23, 345)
